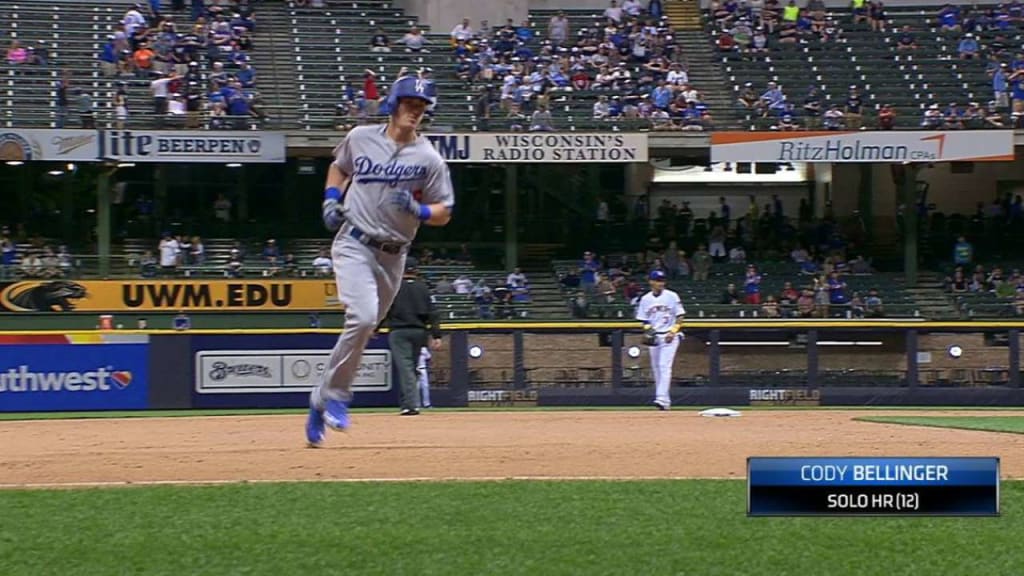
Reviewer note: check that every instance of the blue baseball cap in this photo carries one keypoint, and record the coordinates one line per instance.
(656, 275)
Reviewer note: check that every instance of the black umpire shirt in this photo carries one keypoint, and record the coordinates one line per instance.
(413, 308)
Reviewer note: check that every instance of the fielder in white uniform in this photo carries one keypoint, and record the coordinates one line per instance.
(384, 182)
(662, 313)
(423, 374)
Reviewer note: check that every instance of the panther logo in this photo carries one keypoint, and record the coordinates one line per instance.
(56, 296)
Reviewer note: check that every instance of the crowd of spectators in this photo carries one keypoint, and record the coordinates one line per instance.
(750, 30)
(970, 278)
(628, 56)
(198, 72)
(606, 287)
(35, 259)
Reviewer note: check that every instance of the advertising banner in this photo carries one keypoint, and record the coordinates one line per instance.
(142, 146)
(66, 145)
(279, 370)
(533, 147)
(877, 146)
(168, 296)
(263, 371)
(44, 377)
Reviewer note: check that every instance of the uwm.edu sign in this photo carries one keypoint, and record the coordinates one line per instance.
(877, 146)
(541, 147)
(211, 295)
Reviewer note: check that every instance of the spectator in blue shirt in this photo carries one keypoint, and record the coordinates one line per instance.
(108, 57)
(525, 31)
(589, 268)
(968, 47)
(836, 290)
(752, 285)
(1017, 91)
(246, 75)
(662, 96)
(773, 99)
(1000, 86)
(949, 19)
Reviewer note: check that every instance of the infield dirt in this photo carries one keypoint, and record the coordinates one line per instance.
(467, 445)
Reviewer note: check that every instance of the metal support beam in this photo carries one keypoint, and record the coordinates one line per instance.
(518, 360)
(511, 216)
(617, 339)
(812, 358)
(103, 222)
(1013, 366)
(912, 366)
(714, 357)
(910, 223)
(458, 381)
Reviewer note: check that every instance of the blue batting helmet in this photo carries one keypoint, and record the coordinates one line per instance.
(410, 87)
(656, 275)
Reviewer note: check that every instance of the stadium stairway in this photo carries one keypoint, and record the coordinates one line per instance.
(684, 16)
(706, 75)
(931, 298)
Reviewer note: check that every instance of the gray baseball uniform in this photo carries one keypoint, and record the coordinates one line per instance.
(369, 277)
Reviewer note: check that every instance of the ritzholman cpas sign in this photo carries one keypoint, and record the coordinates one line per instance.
(878, 146)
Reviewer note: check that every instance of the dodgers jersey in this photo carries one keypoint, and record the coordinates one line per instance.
(379, 166)
(660, 311)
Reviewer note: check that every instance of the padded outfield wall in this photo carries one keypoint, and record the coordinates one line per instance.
(732, 363)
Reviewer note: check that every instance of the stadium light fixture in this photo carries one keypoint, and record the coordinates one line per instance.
(955, 351)
(475, 351)
(634, 352)
(70, 167)
(234, 165)
(126, 164)
(56, 172)
(14, 162)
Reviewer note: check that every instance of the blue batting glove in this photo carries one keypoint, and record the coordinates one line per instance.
(333, 210)
(403, 200)
(333, 214)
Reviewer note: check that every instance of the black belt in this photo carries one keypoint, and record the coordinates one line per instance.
(386, 247)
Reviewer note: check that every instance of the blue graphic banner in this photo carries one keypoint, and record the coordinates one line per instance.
(873, 471)
(952, 486)
(53, 377)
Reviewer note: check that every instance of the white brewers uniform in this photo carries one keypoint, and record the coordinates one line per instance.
(661, 311)
(423, 376)
(369, 278)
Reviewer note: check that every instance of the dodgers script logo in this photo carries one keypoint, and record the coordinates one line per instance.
(221, 370)
(391, 173)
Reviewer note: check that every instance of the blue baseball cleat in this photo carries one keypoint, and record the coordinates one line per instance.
(315, 427)
(335, 414)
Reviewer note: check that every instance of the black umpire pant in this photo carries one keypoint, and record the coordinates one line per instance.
(405, 346)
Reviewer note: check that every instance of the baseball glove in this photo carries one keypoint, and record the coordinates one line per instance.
(650, 337)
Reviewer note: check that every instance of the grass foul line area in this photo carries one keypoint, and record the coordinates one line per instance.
(1011, 424)
(494, 528)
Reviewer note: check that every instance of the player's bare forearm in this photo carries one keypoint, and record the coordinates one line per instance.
(336, 178)
(440, 215)
(678, 326)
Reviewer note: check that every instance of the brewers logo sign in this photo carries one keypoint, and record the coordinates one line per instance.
(13, 147)
(171, 296)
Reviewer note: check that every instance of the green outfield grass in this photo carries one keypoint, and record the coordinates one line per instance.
(1013, 424)
(479, 528)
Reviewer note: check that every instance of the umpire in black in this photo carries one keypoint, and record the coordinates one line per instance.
(411, 315)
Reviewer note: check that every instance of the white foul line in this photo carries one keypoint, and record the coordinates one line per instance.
(144, 483)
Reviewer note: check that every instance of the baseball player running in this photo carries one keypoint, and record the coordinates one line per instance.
(662, 312)
(423, 375)
(384, 182)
